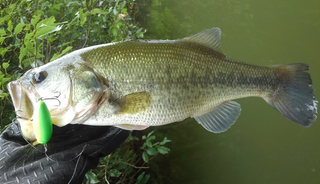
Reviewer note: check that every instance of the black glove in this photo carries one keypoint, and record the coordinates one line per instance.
(72, 151)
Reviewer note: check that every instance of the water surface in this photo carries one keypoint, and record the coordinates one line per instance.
(262, 146)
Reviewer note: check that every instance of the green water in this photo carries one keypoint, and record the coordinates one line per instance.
(262, 146)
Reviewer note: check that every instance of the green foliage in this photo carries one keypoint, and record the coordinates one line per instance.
(153, 149)
(33, 33)
(142, 179)
(161, 20)
(91, 177)
(127, 165)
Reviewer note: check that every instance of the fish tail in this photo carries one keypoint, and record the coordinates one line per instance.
(294, 97)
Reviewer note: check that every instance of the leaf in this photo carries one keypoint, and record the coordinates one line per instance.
(27, 28)
(44, 30)
(140, 176)
(121, 166)
(45, 4)
(82, 16)
(16, 75)
(65, 43)
(110, 9)
(163, 150)
(4, 80)
(139, 30)
(2, 32)
(149, 134)
(66, 50)
(145, 157)
(48, 22)
(143, 179)
(152, 137)
(114, 173)
(30, 48)
(152, 151)
(10, 26)
(92, 177)
(2, 95)
(144, 137)
(54, 57)
(3, 51)
(98, 11)
(23, 52)
(148, 143)
(140, 35)
(22, 19)
(58, 28)
(12, 6)
(5, 65)
(28, 36)
(57, 6)
(2, 39)
(26, 62)
(143, 146)
(165, 140)
(18, 28)
(128, 18)
(35, 19)
(115, 11)
(132, 138)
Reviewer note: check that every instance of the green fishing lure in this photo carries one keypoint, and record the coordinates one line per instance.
(42, 123)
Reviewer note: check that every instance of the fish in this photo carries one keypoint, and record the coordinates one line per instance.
(136, 84)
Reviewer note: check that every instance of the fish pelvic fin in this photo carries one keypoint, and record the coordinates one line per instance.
(131, 127)
(294, 97)
(221, 117)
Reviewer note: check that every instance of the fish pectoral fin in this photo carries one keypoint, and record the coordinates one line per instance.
(134, 103)
(209, 37)
(131, 127)
(220, 118)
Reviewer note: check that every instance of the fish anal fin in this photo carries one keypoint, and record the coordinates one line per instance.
(209, 37)
(131, 127)
(220, 118)
(134, 103)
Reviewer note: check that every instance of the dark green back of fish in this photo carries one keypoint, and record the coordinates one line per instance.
(138, 65)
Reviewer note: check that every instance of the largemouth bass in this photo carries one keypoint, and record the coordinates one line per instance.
(142, 83)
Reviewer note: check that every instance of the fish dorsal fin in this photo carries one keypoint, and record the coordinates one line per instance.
(134, 103)
(221, 117)
(209, 37)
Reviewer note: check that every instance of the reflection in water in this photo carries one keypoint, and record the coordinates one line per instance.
(262, 147)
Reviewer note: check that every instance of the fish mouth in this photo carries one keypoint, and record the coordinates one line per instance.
(23, 100)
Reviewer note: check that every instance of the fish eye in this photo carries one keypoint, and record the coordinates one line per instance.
(39, 77)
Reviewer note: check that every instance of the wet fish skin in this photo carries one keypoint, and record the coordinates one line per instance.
(142, 83)
(181, 86)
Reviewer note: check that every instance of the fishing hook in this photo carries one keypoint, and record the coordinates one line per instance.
(53, 98)
(19, 117)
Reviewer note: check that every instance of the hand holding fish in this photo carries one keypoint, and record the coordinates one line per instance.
(72, 151)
